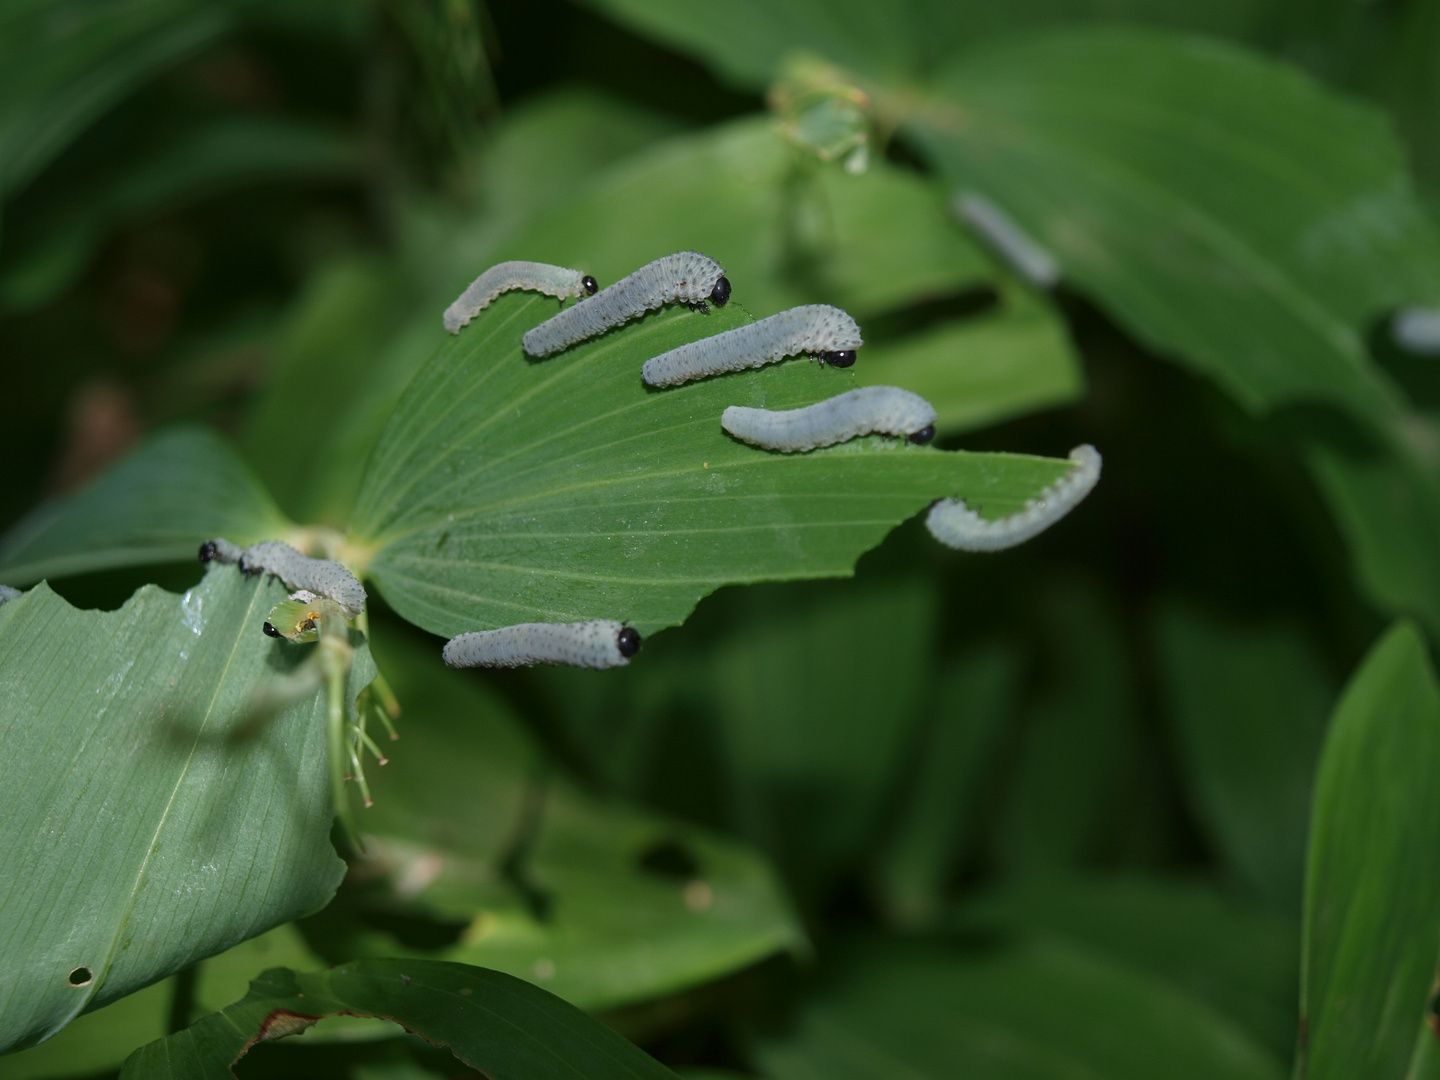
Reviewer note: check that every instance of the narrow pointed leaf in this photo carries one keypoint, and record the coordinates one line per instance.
(506, 1028)
(1372, 906)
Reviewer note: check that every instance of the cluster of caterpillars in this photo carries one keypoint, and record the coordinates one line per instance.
(818, 330)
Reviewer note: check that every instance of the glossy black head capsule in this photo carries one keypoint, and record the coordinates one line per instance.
(628, 640)
(590, 285)
(207, 551)
(720, 293)
(269, 629)
(924, 435)
(843, 358)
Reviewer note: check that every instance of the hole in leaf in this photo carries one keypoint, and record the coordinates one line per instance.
(669, 859)
(81, 976)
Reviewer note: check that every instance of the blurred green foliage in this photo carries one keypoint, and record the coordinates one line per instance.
(1097, 806)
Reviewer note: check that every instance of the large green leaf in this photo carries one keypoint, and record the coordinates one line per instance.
(598, 902)
(149, 823)
(1229, 211)
(507, 490)
(1036, 1012)
(495, 1023)
(155, 505)
(1372, 896)
(1242, 960)
(1249, 705)
(363, 327)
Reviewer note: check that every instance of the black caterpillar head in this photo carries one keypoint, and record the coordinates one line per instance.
(628, 640)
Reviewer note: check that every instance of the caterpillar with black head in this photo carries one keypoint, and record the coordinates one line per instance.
(686, 276)
(220, 550)
(954, 524)
(557, 281)
(811, 329)
(884, 410)
(598, 644)
(320, 576)
(1022, 252)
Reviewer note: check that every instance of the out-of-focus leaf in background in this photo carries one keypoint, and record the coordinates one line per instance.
(1038, 1010)
(490, 1021)
(1249, 707)
(149, 508)
(590, 898)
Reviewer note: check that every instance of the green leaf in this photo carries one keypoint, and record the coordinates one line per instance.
(1035, 1012)
(151, 825)
(362, 328)
(1242, 960)
(156, 505)
(60, 69)
(497, 1024)
(1372, 893)
(985, 370)
(1228, 211)
(602, 904)
(493, 464)
(973, 699)
(1249, 705)
(99, 1041)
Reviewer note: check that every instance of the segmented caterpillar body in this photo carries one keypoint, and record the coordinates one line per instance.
(557, 281)
(686, 276)
(954, 524)
(812, 329)
(885, 410)
(599, 644)
(320, 576)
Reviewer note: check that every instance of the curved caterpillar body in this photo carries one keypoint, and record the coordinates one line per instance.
(1417, 330)
(554, 281)
(600, 643)
(687, 276)
(220, 550)
(7, 594)
(954, 524)
(813, 329)
(887, 410)
(320, 576)
(1020, 251)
